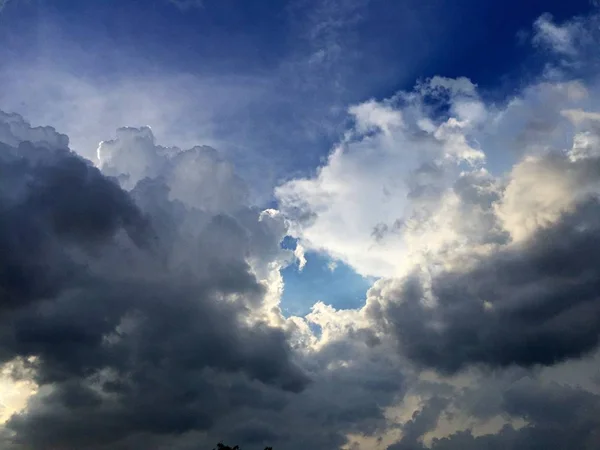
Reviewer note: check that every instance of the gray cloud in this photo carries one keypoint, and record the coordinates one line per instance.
(557, 416)
(136, 306)
(147, 290)
(533, 302)
(148, 314)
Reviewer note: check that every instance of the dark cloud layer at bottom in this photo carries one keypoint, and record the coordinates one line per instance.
(135, 327)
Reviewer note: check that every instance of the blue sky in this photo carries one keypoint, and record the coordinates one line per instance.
(322, 279)
(279, 74)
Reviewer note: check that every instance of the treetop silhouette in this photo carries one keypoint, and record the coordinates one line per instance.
(221, 446)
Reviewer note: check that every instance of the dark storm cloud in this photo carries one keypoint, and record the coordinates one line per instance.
(535, 303)
(421, 422)
(52, 199)
(134, 305)
(557, 417)
(352, 384)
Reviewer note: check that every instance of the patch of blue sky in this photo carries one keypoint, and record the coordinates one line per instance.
(322, 279)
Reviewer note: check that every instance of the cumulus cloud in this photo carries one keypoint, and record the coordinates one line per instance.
(300, 257)
(127, 300)
(480, 219)
(554, 415)
(520, 289)
(391, 155)
(529, 304)
(140, 307)
(140, 298)
(477, 268)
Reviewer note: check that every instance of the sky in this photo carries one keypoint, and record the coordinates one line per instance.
(328, 224)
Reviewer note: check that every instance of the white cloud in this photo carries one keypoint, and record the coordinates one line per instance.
(199, 177)
(181, 109)
(373, 116)
(14, 130)
(300, 257)
(359, 203)
(16, 390)
(559, 38)
(404, 185)
(579, 116)
(541, 189)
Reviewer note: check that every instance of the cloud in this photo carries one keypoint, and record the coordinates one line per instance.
(300, 257)
(530, 304)
(3, 4)
(572, 43)
(132, 299)
(143, 308)
(480, 219)
(556, 416)
(526, 300)
(511, 283)
(393, 154)
(560, 39)
(140, 297)
(14, 130)
(182, 109)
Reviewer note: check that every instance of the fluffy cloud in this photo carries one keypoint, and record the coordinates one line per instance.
(140, 307)
(481, 272)
(556, 416)
(138, 311)
(528, 304)
(478, 268)
(140, 298)
(393, 154)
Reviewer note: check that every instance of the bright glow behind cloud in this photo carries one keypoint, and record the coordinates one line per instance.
(360, 201)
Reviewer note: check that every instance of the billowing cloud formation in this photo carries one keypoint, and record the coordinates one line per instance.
(483, 270)
(393, 155)
(556, 416)
(518, 284)
(141, 298)
(141, 309)
(480, 269)
(535, 303)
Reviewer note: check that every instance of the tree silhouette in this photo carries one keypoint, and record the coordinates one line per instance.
(221, 446)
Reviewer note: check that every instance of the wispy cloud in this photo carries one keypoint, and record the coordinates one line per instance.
(560, 38)
(3, 4)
